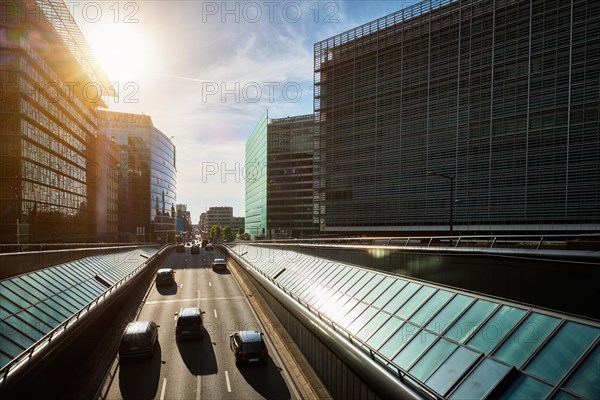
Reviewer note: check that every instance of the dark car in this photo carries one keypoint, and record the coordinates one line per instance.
(189, 323)
(208, 247)
(219, 264)
(180, 248)
(204, 242)
(195, 249)
(165, 276)
(248, 347)
(138, 340)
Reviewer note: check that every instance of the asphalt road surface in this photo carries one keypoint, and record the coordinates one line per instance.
(199, 369)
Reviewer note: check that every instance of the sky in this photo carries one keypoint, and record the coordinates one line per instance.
(206, 71)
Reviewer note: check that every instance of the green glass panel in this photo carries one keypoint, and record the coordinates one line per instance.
(526, 387)
(564, 396)
(440, 322)
(431, 307)
(398, 340)
(526, 338)
(389, 294)
(350, 318)
(496, 329)
(417, 346)
(434, 357)
(586, 379)
(384, 332)
(415, 302)
(451, 370)
(562, 350)
(382, 287)
(481, 381)
(12, 347)
(372, 325)
(25, 335)
(402, 297)
(470, 320)
(362, 319)
(370, 285)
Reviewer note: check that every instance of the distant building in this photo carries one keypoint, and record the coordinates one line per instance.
(51, 88)
(147, 176)
(256, 179)
(290, 145)
(501, 97)
(222, 216)
(105, 176)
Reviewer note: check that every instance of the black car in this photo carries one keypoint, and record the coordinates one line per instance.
(195, 249)
(138, 340)
(189, 323)
(180, 248)
(165, 276)
(248, 347)
(219, 264)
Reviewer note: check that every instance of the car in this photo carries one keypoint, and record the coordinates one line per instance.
(208, 247)
(139, 339)
(204, 242)
(189, 323)
(180, 248)
(248, 347)
(219, 264)
(165, 276)
(195, 249)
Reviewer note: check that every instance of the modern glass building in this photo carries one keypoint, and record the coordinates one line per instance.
(51, 87)
(500, 97)
(290, 143)
(256, 179)
(147, 176)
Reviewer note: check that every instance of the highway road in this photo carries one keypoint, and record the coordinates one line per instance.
(200, 369)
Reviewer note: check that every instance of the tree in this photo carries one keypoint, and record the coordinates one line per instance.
(241, 230)
(215, 232)
(228, 234)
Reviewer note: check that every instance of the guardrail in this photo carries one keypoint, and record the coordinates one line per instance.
(538, 242)
(62, 327)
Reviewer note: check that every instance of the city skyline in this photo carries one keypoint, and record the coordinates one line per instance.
(209, 94)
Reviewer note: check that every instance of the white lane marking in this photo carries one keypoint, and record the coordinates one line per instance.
(209, 284)
(227, 380)
(216, 313)
(198, 386)
(164, 387)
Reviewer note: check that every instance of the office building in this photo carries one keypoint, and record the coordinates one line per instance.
(256, 179)
(51, 88)
(290, 143)
(147, 176)
(499, 99)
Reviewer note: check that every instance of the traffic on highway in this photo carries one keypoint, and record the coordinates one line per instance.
(200, 366)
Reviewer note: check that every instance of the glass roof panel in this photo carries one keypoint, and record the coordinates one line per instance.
(385, 331)
(380, 288)
(372, 325)
(353, 282)
(374, 280)
(586, 379)
(432, 359)
(562, 350)
(352, 316)
(528, 336)
(526, 387)
(501, 323)
(417, 346)
(363, 318)
(442, 320)
(394, 291)
(398, 340)
(433, 305)
(451, 370)
(481, 381)
(470, 320)
(415, 302)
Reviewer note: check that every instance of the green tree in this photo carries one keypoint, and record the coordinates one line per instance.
(228, 234)
(241, 231)
(215, 232)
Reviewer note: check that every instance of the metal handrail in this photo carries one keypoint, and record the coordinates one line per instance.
(46, 339)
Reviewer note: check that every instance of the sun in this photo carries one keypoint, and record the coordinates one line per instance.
(124, 52)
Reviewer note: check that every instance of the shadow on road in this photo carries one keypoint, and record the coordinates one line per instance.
(139, 379)
(198, 355)
(266, 380)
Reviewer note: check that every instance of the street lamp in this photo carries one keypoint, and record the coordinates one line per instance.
(451, 179)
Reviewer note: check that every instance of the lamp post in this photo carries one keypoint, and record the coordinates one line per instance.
(451, 179)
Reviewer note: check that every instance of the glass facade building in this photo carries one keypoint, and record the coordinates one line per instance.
(290, 143)
(256, 179)
(147, 176)
(502, 96)
(51, 88)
